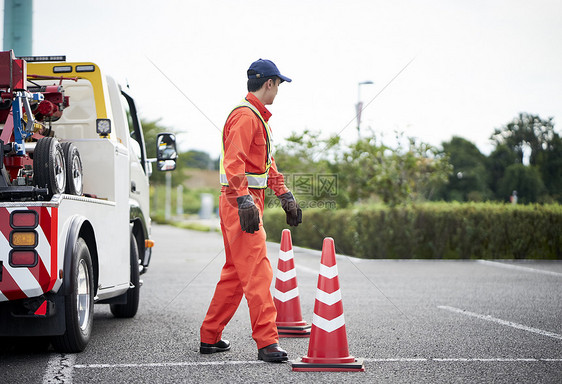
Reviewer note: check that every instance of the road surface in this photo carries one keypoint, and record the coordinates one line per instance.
(412, 321)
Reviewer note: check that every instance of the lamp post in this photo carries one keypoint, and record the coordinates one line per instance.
(359, 106)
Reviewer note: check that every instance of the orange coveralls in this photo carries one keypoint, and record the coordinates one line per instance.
(247, 270)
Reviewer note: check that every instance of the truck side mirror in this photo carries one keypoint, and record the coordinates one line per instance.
(166, 154)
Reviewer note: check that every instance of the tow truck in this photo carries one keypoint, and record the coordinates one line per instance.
(74, 198)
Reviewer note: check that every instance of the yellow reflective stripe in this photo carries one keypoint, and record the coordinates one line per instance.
(258, 180)
(255, 180)
(223, 179)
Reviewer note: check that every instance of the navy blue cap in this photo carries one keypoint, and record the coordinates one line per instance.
(265, 68)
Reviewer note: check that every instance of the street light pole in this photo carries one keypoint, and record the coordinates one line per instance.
(359, 106)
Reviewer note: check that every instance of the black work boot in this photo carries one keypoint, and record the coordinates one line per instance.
(220, 346)
(272, 354)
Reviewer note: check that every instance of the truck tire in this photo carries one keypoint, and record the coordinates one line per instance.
(48, 166)
(130, 308)
(74, 180)
(79, 304)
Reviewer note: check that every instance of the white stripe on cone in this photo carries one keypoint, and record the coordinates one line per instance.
(328, 325)
(286, 296)
(284, 276)
(328, 298)
(286, 255)
(328, 272)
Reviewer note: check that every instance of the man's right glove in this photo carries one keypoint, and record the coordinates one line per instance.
(248, 213)
(291, 208)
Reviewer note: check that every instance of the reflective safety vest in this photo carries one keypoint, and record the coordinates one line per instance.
(255, 180)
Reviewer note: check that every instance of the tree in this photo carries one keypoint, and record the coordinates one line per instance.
(395, 175)
(525, 180)
(196, 159)
(537, 136)
(498, 161)
(549, 163)
(468, 181)
(309, 164)
(529, 131)
(364, 171)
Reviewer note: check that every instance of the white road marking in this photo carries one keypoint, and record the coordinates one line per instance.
(497, 360)
(59, 369)
(374, 360)
(518, 267)
(502, 322)
(171, 364)
(462, 360)
(397, 360)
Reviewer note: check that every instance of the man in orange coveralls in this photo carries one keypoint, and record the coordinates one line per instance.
(247, 169)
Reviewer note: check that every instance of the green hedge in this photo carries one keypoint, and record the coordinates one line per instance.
(431, 231)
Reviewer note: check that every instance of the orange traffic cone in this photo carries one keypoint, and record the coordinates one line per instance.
(327, 348)
(286, 297)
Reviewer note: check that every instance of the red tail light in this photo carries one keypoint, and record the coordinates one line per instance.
(23, 258)
(24, 219)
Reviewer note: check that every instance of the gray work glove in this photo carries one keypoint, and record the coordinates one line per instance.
(291, 208)
(248, 213)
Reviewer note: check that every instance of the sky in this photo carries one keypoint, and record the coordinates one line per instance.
(440, 68)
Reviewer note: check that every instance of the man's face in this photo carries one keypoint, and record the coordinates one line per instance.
(272, 88)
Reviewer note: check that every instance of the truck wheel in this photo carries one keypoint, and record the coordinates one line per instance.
(130, 308)
(48, 165)
(79, 304)
(73, 169)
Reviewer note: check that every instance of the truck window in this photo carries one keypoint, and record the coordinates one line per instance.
(135, 129)
(134, 144)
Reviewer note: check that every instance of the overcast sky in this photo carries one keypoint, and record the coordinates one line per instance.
(477, 63)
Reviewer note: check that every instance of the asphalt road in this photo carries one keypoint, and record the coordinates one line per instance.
(411, 321)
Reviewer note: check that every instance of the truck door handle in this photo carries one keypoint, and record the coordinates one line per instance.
(133, 187)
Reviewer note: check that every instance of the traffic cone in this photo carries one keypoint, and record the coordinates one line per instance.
(286, 296)
(327, 348)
